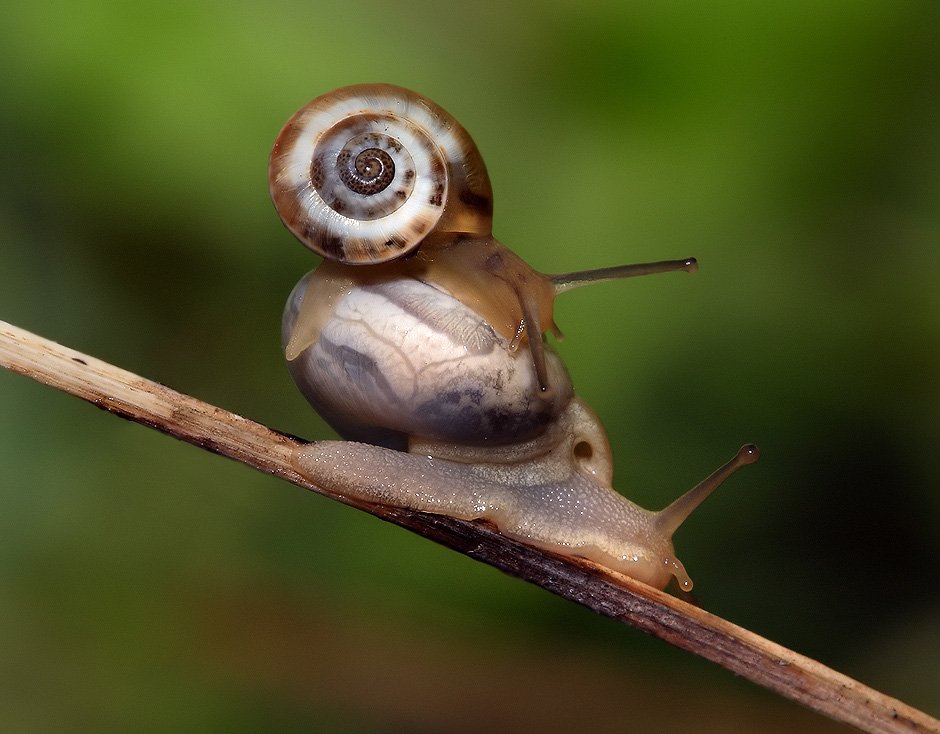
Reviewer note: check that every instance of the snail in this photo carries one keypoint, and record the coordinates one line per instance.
(420, 340)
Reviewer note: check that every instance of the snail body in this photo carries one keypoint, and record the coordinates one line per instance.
(420, 340)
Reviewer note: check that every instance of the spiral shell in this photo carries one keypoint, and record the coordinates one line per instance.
(365, 173)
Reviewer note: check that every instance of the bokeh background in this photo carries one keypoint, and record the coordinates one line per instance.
(795, 150)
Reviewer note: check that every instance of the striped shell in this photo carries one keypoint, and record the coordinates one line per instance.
(365, 173)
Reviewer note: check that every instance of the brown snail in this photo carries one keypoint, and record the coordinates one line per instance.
(420, 337)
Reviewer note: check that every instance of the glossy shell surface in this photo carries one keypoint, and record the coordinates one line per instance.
(400, 358)
(363, 174)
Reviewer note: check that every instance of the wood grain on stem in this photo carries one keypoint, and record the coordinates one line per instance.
(753, 657)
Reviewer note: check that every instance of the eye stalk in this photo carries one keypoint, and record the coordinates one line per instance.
(670, 518)
(564, 282)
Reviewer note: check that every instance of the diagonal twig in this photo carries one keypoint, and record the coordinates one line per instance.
(761, 661)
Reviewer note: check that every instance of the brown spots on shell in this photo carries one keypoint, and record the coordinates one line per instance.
(437, 198)
(483, 204)
(333, 248)
(437, 169)
(316, 172)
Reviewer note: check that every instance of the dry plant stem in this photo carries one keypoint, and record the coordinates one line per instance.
(764, 662)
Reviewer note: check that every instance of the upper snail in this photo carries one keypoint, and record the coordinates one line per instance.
(385, 184)
(422, 333)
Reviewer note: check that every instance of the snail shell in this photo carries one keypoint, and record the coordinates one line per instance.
(364, 174)
(382, 359)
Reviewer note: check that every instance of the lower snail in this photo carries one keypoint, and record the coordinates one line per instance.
(420, 339)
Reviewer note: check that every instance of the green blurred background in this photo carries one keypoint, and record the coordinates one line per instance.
(795, 150)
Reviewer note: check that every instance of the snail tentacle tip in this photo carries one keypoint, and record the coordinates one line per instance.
(749, 453)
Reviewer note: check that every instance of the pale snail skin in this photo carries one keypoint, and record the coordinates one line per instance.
(419, 338)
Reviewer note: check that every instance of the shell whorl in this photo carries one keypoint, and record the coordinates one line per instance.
(365, 173)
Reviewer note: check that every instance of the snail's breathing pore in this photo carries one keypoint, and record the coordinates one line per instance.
(421, 336)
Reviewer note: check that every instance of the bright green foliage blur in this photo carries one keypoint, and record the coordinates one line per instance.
(794, 148)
